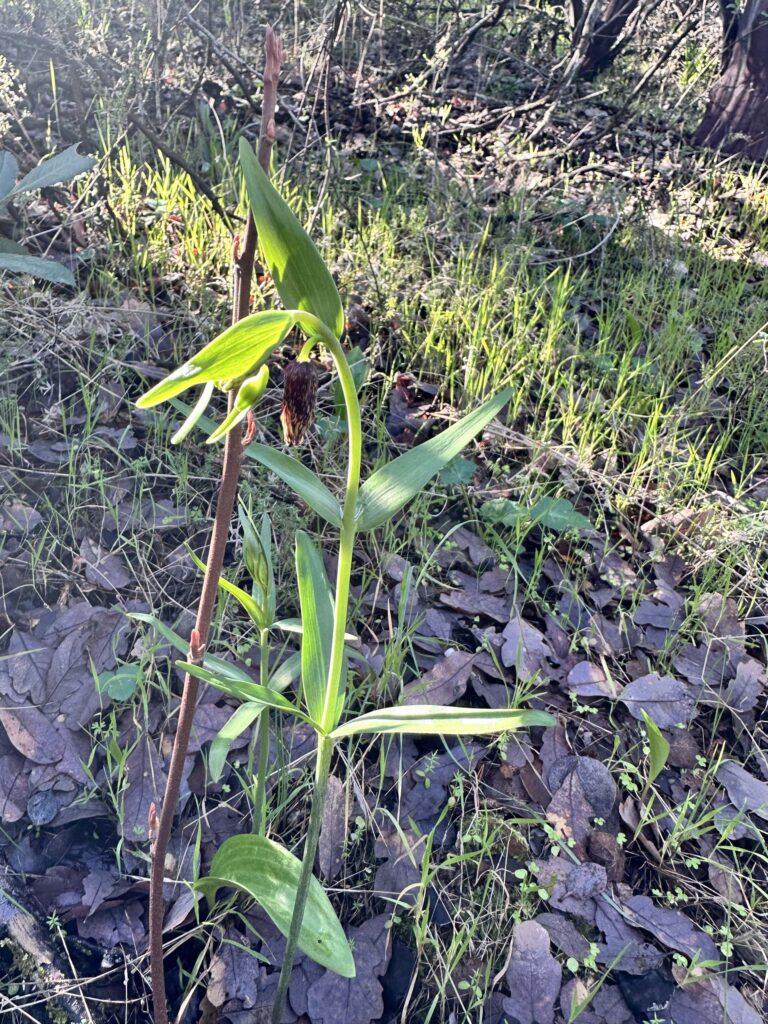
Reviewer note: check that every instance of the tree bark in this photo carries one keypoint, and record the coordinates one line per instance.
(602, 44)
(736, 118)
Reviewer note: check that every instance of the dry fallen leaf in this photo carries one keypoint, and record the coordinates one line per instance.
(533, 976)
(665, 699)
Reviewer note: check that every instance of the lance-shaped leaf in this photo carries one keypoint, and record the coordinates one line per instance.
(55, 170)
(257, 554)
(252, 692)
(269, 874)
(317, 618)
(386, 491)
(296, 626)
(225, 669)
(195, 414)
(428, 720)
(301, 480)
(237, 352)
(658, 746)
(286, 672)
(241, 719)
(246, 601)
(301, 277)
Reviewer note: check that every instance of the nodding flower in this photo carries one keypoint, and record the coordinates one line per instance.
(299, 399)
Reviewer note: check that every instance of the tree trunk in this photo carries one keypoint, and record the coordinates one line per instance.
(602, 45)
(729, 15)
(736, 118)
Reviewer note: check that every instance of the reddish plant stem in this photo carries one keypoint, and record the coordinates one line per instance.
(233, 454)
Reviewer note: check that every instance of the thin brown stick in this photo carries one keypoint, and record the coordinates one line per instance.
(200, 184)
(233, 453)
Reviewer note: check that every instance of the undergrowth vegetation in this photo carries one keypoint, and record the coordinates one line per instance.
(599, 553)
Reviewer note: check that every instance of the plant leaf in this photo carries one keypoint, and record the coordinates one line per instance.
(301, 277)
(558, 514)
(245, 600)
(195, 414)
(9, 170)
(301, 480)
(240, 720)
(658, 744)
(428, 720)
(295, 626)
(251, 692)
(47, 270)
(236, 352)
(386, 491)
(257, 555)
(269, 874)
(286, 672)
(8, 245)
(56, 169)
(224, 668)
(317, 619)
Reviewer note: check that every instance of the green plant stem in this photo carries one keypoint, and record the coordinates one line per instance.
(262, 734)
(322, 770)
(331, 712)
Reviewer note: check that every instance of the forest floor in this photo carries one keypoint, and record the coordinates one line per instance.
(600, 553)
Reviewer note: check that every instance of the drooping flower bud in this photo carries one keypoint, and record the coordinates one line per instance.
(299, 398)
(249, 395)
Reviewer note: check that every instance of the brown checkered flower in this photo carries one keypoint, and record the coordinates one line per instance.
(299, 398)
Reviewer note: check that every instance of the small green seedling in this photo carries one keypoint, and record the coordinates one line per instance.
(57, 169)
(236, 361)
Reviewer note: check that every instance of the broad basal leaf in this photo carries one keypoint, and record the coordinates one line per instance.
(301, 277)
(47, 270)
(269, 874)
(303, 481)
(236, 353)
(54, 171)
(427, 720)
(389, 488)
(317, 619)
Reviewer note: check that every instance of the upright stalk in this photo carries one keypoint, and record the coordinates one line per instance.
(318, 332)
(262, 737)
(233, 454)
